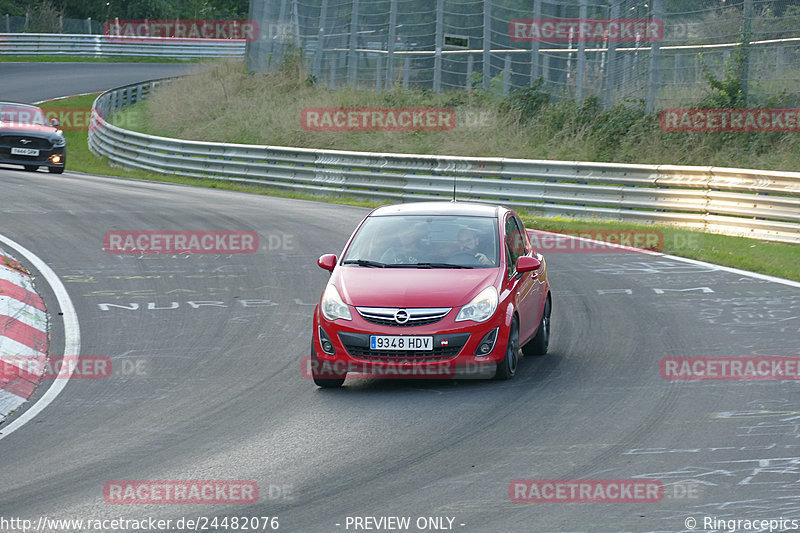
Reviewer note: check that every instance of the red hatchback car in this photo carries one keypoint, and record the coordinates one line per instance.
(432, 289)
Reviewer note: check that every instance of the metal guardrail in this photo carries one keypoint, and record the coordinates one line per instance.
(751, 203)
(26, 44)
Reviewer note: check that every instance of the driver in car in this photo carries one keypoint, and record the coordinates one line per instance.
(468, 242)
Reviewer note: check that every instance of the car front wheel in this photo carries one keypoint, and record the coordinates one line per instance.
(508, 366)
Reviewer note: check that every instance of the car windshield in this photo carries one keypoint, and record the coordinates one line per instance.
(15, 114)
(425, 241)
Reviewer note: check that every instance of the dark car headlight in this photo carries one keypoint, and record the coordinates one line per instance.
(57, 140)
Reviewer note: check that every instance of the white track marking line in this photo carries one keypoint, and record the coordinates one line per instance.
(72, 337)
(732, 270)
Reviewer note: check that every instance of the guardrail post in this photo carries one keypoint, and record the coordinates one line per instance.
(89, 25)
(138, 93)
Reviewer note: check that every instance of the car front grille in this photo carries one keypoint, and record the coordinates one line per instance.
(16, 141)
(385, 316)
(357, 345)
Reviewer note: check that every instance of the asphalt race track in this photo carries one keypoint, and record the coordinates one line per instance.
(217, 392)
(34, 82)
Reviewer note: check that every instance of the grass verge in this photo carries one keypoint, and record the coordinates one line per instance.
(776, 259)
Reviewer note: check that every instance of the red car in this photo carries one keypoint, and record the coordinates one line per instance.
(432, 289)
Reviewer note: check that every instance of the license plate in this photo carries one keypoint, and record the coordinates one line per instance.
(24, 151)
(396, 342)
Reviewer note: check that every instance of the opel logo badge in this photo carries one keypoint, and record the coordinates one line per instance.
(401, 316)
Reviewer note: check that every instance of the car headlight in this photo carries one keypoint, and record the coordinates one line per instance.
(332, 306)
(57, 141)
(481, 308)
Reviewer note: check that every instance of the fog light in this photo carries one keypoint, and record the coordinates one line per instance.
(487, 344)
(55, 158)
(325, 342)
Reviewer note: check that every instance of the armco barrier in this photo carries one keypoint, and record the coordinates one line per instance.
(752, 203)
(32, 44)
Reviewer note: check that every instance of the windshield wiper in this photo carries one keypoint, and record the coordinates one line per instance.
(427, 265)
(364, 263)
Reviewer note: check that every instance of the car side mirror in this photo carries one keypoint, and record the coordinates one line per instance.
(54, 122)
(327, 261)
(527, 263)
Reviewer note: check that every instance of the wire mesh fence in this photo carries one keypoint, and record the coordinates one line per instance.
(30, 23)
(657, 51)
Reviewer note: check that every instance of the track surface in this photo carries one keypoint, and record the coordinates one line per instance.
(222, 396)
(33, 82)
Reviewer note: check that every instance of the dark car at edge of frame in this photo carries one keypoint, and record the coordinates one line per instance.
(27, 138)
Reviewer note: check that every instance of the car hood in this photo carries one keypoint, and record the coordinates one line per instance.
(34, 130)
(411, 287)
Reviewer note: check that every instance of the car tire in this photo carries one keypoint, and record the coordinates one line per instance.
(31, 168)
(326, 382)
(55, 170)
(538, 345)
(508, 366)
